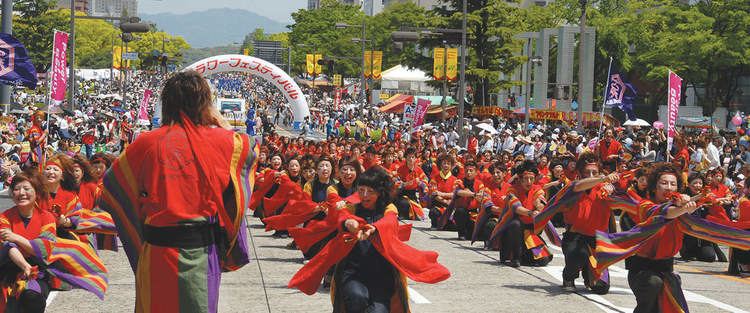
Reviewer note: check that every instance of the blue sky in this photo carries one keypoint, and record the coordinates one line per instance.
(279, 10)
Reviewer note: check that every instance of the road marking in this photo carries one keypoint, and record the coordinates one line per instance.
(688, 269)
(52, 295)
(416, 297)
(609, 307)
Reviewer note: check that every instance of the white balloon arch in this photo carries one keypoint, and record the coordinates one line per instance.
(257, 67)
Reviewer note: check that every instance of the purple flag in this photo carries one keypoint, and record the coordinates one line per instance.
(15, 65)
(621, 94)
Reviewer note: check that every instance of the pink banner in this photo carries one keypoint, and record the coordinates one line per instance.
(143, 109)
(422, 105)
(673, 106)
(59, 76)
(337, 99)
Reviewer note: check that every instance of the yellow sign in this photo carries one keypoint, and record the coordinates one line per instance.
(377, 64)
(368, 63)
(384, 96)
(337, 80)
(438, 70)
(452, 65)
(246, 51)
(318, 67)
(310, 64)
(117, 57)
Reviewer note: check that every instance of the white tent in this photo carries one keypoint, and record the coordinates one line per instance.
(402, 78)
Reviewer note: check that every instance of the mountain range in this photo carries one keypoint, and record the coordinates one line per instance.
(214, 27)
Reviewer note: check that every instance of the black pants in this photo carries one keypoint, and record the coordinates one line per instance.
(737, 257)
(464, 224)
(511, 241)
(577, 250)
(646, 282)
(697, 248)
(359, 297)
(402, 204)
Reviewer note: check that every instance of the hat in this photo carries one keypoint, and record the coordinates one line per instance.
(6, 147)
(574, 134)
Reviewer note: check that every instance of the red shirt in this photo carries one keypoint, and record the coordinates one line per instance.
(41, 220)
(442, 183)
(606, 150)
(666, 243)
(87, 194)
(407, 175)
(527, 199)
(591, 214)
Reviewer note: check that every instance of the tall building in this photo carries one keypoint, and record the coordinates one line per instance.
(80, 5)
(313, 4)
(113, 7)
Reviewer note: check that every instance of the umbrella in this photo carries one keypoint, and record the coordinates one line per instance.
(637, 122)
(486, 127)
(118, 109)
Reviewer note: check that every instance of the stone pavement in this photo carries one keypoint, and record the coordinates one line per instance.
(478, 284)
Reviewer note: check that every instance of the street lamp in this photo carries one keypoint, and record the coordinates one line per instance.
(363, 40)
(581, 60)
(532, 60)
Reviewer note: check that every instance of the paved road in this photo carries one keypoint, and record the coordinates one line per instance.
(478, 284)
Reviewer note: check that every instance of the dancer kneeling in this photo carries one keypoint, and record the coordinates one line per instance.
(372, 261)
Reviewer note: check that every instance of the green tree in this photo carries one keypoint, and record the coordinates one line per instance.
(315, 31)
(149, 47)
(34, 24)
(94, 43)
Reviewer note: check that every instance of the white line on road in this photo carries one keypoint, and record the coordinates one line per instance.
(609, 307)
(51, 297)
(416, 297)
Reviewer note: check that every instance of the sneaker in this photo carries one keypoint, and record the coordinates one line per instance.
(569, 285)
(461, 237)
(514, 263)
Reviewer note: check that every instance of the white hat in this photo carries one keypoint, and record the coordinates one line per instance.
(6, 147)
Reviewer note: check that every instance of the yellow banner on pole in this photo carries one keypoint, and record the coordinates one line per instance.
(438, 71)
(310, 66)
(377, 64)
(117, 57)
(368, 64)
(318, 67)
(452, 65)
(337, 80)
(246, 51)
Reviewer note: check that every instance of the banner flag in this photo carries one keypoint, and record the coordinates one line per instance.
(438, 63)
(452, 65)
(318, 67)
(310, 66)
(422, 105)
(673, 106)
(337, 80)
(143, 108)
(117, 57)
(620, 94)
(377, 64)
(368, 64)
(15, 65)
(59, 77)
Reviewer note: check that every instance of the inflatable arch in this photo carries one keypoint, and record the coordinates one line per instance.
(257, 67)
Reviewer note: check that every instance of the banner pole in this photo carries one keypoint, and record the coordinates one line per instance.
(604, 102)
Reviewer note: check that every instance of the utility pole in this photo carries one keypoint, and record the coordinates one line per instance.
(444, 103)
(526, 101)
(72, 59)
(7, 21)
(581, 60)
(363, 92)
(462, 84)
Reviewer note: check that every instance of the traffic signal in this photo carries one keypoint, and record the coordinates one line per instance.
(327, 63)
(135, 27)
